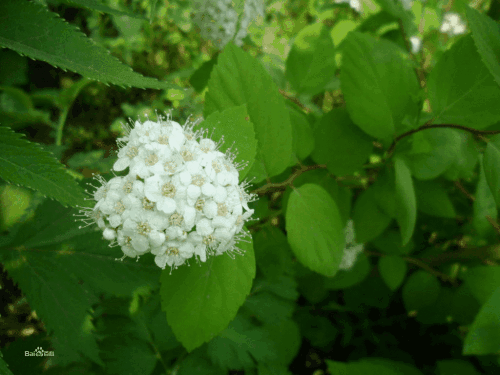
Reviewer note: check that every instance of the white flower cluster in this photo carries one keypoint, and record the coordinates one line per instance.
(354, 4)
(352, 249)
(453, 24)
(181, 197)
(222, 20)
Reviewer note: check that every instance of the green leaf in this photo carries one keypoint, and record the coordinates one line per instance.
(406, 205)
(392, 270)
(310, 65)
(4, 367)
(216, 290)
(487, 39)
(378, 84)
(315, 229)
(303, 140)
(458, 97)
(456, 367)
(420, 290)
(100, 7)
(484, 334)
(199, 79)
(340, 144)
(72, 51)
(240, 79)
(353, 276)
(233, 125)
(482, 281)
(491, 163)
(433, 199)
(197, 362)
(464, 164)
(390, 243)
(369, 220)
(445, 148)
(25, 163)
(484, 205)
(62, 270)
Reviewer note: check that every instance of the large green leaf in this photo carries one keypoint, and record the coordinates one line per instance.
(406, 205)
(27, 164)
(303, 139)
(61, 45)
(486, 36)
(458, 97)
(392, 270)
(315, 229)
(491, 162)
(340, 144)
(484, 334)
(420, 290)
(484, 204)
(234, 126)
(369, 220)
(482, 281)
(378, 83)
(62, 270)
(433, 199)
(240, 79)
(201, 300)
(310, 65)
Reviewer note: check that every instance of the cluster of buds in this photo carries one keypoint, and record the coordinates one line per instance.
(180, 199)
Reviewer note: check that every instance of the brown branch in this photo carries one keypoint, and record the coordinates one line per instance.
(295, 100)
(493, 223)
(464, 191)
(429, 126)
(271, 187)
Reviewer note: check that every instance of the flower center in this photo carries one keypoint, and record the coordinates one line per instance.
(147, 204)
(176, 219)
(172, 251)
(186, 155)
(143, 228)
(168, 190)
(163, 139)
(151, 160)
(119, 207)
(170, 166)
(216, 166)
(132, 152)
(198, 180)
(199, 204)
(221, 209)
(209, 240)
(127, 187)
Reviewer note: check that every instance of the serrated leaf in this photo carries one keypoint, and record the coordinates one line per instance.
(491, 162)
(458, 97)
(239, 79)
(200, 301)
(484, 334)
(392, 270)
(315, 229)
(487, 39)
(378, 84)
(310, 65)
(420, 290)
(433, 199)
(340, 144)
(62, 270)
(96, 5)
(234, 125)
(25, 163)
(72, 51)
(406, 205)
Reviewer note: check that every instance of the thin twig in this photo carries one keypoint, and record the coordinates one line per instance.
(464, 191)
(295, 100)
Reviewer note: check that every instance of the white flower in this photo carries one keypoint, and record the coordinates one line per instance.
(453, 24)
(180, 199)
(354, 4)
(352, 249)
(416, 43)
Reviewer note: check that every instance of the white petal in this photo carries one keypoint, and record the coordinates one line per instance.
(161, 260)
(109, 234)
(128, 251)
(193, 191)
(121, 164)
(140, 244)
(156, 238)
(204, 227)
(185, 178)
(167, 205)
(210, 209)
(220, 194)
(208, 190)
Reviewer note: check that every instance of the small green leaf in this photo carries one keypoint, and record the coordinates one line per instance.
(234, 125)
(484, 335)
(310, 65)
(72, 51)
(406, 205)
(216, 290)
(239, 79)
(340, 144)
(369, 220)
(25, 163)
(487, 39)
(378, 83)
(392, 270)
(458, 97)
(433, 199)
(491, 162)
(420, 290)
(315, 229)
